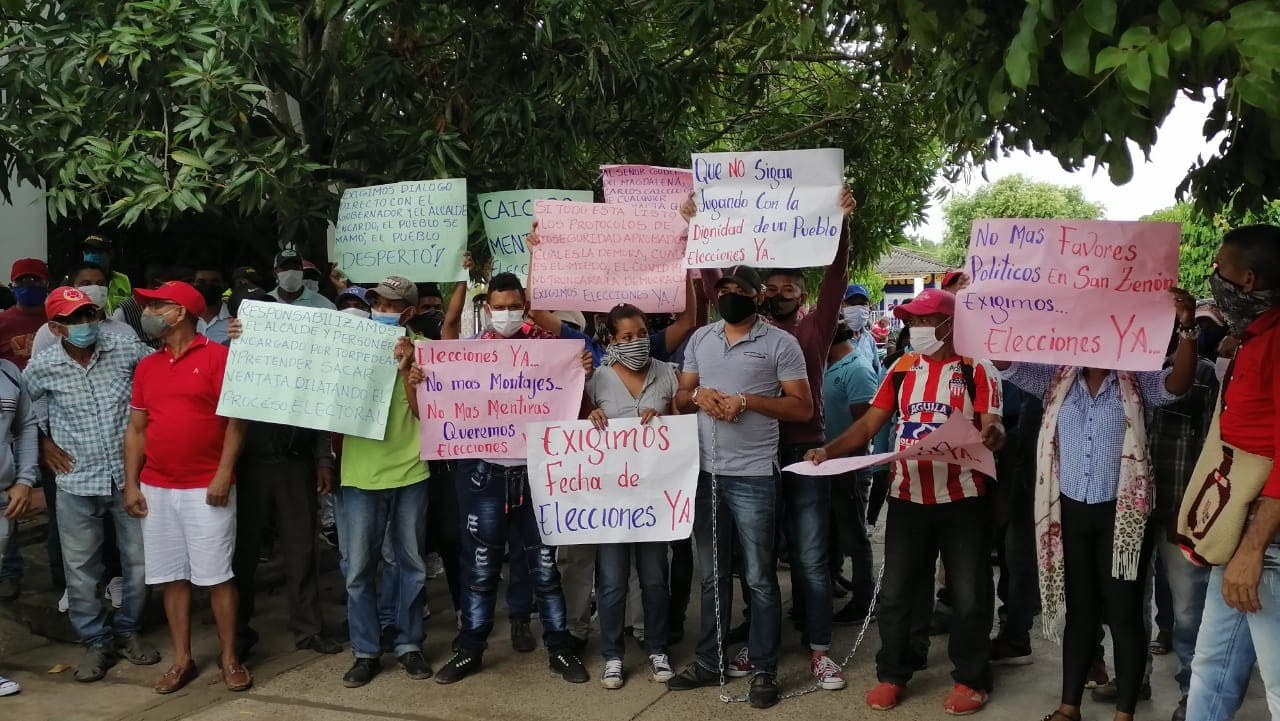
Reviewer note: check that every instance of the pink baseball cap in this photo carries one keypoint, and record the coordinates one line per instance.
(930, 301)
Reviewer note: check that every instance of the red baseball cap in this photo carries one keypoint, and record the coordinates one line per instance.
(930, 301)
(175, 291)
(949, 276)
(65, 301)
(30, 266)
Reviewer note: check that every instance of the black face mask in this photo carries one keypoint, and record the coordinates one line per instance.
(735, 308)
(211, 292)
(781, 308)
(427, 323)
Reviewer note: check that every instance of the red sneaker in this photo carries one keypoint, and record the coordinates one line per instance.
(963, 700)
(884, 696)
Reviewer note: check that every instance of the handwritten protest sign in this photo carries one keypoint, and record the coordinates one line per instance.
(416, 230)
(1070, 292)
(310, 367)
(593, 256)
(628, 483)
(508, 218)
(479, 394)
(648, 186)
(771, 209)
(956, 443)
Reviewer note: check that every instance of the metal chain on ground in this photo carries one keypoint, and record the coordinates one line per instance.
(725, 697)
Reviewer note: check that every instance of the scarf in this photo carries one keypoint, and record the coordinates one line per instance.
(1133, 497)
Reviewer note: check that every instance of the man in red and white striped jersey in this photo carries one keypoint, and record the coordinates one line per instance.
(933, 507)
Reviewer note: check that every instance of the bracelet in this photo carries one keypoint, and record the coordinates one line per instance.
(694, 397)
(743, 396)
(1191, 333)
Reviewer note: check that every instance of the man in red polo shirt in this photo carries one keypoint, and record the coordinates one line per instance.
(179, 460)
(1241, 621)
(18, 325)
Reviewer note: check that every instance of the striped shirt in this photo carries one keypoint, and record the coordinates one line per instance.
(931, 391)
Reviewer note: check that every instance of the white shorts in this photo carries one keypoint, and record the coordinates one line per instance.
(186, 539)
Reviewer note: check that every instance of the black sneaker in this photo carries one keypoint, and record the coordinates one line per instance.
(362, 672)
(461, 665)
(415, 666)
(569, 666)
(1007, 653)
(764, 691)
(851, 615)
(695, 676)
(522, 639)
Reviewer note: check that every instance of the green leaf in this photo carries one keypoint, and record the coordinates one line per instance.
(1138, 70)
(997, 98)
(1169, 13)
(1101, 15)
(1258, 92)
(1213, 39)
(1018, 65)
(1109, 58)
(186, 157)
(1180, 40)
(1159, 59)
(1075, 45)
(1135, 36)
(1119, 165)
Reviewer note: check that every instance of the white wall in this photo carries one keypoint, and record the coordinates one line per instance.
(24, 227)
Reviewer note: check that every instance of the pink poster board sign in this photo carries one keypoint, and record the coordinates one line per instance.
(955, 443)
(479, 394)
(1088, 293)
(648, 186)
(593, 256)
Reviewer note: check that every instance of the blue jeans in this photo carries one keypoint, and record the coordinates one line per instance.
(1188, 584)
(1232, 641)
(494, 500)
(364, 519)
(11, 563)
(82, 530)
(519, 585)
(747, 505)
(612, 583)
(808, 503)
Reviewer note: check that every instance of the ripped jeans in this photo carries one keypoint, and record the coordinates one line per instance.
(494, 500)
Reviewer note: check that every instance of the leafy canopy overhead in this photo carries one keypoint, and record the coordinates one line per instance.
(1014, 196)
(1202, 236)
(1081, 79)
(265, 110)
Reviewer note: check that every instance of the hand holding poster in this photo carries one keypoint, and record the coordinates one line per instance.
(416, 230)
(479, 394)
(629, 483)
(768, 209)
(593, 256)
(956, 443)
(1069, 292)
(312, 368)
(648, 186)
(508, 218)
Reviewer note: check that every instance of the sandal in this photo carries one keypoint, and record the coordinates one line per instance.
(1059, 716)
(1162, 644)
(94, 665)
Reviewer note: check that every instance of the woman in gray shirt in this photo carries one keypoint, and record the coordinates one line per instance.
(18, 461)
(630, 384)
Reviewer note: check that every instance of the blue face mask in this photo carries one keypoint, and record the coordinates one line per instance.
(96, 258)
(385, 318)
(82, 335)
(30, 295)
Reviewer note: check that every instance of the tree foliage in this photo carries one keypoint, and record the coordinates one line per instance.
(1083, 79)
(1202, 236)
(1014, 196)
(262, 111)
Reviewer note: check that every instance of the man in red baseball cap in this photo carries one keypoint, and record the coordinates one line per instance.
(954, 281)
(933, 507)
(179, 471)
(18, 325)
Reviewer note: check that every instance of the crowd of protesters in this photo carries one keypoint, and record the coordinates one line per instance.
(108, 397)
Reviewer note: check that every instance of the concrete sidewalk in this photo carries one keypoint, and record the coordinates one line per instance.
(302, 686)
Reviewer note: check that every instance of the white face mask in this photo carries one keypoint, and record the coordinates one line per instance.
(506, 323)
(1220, 366)
(856, 317)
(359, 312)
(96, 293)
(290, 281)
(311, 285)
(925, 340)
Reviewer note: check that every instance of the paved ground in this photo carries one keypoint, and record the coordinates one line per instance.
(301, 686)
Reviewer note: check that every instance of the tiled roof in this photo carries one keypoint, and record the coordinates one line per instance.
(900, 262)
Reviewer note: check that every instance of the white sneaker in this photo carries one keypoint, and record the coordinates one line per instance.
(612, 677)
(740, 666)
(115, 592)
(65, 602)
(8, 687)
(660, 667)
(828, 672)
